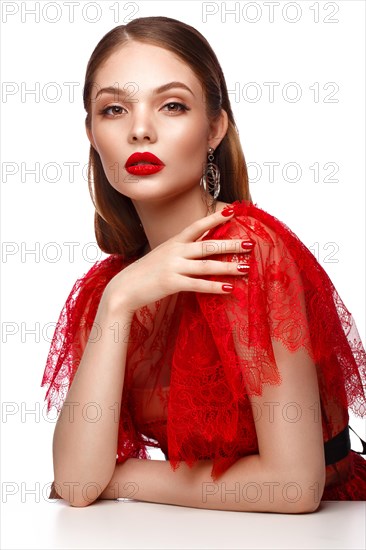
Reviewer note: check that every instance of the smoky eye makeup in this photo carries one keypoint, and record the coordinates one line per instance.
(174, 107)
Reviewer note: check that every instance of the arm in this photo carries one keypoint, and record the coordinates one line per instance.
(248, 486)
(288, 473)
(86, 433)
(287, 476)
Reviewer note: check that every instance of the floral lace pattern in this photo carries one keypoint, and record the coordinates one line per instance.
(214, 351)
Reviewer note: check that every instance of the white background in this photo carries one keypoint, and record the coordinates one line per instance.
(329, 217)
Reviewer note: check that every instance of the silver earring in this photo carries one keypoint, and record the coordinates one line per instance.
(210, 180)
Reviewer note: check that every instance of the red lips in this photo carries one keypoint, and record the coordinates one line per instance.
(143, 164)
(146, 157)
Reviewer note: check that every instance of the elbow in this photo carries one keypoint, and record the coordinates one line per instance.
(307, 507)
(77, 494)
(301, 506)
(78, 490)
(311, 492)
(296, 492)
(81, 503)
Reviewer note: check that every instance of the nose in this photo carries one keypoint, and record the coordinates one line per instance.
(142, 127)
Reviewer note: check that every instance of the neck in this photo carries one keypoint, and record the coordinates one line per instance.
(162, 220)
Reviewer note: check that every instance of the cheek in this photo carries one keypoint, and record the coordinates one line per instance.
(105, 141)
(190, 147)
(109, 149)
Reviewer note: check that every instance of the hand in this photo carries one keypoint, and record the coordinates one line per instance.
(176, 265)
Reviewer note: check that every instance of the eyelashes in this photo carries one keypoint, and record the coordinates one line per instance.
(107, 111)
(182, 105)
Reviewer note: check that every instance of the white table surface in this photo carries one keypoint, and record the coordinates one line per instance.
(106, 524)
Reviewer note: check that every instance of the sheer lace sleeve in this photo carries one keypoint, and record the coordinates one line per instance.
(287, 301)
(73, 328)
(289, 298)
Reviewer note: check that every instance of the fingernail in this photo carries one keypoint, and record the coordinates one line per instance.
(243, 268)
(227, 211)
(247, 244)
(227, 288)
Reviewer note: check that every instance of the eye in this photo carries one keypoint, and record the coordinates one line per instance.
(116, 110)
(175, 104)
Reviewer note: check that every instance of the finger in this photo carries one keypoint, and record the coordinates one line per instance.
(201, 249)
(190, 284)
(213, 267)
(195, 230)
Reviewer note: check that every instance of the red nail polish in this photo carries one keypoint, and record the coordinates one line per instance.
(243, 268)
(247, 244)
(227, 288)
(227, 211)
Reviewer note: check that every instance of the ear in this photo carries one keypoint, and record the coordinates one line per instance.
(218, 129)
(90, 136)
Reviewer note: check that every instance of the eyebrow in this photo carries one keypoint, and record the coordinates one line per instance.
(164, 88)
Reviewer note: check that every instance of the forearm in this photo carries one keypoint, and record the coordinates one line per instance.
(87, 428)
(247, 486)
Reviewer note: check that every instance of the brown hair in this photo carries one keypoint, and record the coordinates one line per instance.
(116, 223)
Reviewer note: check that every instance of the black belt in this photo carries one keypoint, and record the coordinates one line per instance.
(340, 445)
(336, 448)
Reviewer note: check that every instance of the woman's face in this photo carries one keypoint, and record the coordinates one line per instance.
(135, 116)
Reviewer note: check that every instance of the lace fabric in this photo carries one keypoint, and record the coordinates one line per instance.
(201, 356)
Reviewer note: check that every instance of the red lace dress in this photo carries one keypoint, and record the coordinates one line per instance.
(194, 359)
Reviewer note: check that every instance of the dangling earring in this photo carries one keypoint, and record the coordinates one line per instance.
(211, 176)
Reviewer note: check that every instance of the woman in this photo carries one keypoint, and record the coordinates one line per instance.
(210, 331)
